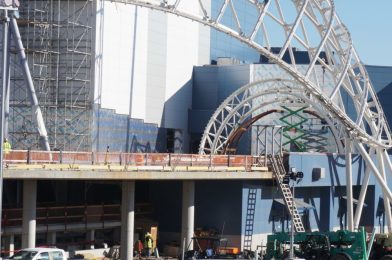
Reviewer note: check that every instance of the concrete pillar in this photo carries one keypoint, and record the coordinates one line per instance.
(127, 221)
(188, 211)
(29, 213)
(11, 246)
(184, 214)
(349, 186)
(91, 237)
(51, 238)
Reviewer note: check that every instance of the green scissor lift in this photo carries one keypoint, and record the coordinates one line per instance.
(293, 122)
(292, 131)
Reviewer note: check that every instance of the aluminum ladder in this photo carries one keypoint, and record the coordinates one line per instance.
(279, 173)
(250, 216)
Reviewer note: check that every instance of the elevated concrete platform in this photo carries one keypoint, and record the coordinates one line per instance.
(42, 165)
(41, 174)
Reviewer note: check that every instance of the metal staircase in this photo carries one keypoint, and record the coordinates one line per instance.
(279, 173)
(250, 216)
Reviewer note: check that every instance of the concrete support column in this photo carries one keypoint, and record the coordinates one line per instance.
(188, 211)
(349, 186)
(29, 213)
(51, 238)
(11, 246)
(127, 221)
(91, 238)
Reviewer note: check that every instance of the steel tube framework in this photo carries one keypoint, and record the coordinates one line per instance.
(317, 29)
(36, 110)
(57, 36)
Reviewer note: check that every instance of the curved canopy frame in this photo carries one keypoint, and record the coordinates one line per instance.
(253, 99)
(312, 26)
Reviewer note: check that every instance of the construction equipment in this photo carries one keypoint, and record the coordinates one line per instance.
(293, 132)
(334, 245)
(382, 247)
(212, 248)
(279, 173)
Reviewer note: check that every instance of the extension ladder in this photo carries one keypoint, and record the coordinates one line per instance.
(279, 173)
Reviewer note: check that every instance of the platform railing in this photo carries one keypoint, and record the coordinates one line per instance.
(73, 214)
(134, 159)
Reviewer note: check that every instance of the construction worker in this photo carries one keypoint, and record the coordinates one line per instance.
(138, 248)
(6, 146)
(148, 244)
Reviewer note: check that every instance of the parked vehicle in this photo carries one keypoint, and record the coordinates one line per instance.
(39, 254)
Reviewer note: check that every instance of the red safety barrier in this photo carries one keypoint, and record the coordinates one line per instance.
(137, 159)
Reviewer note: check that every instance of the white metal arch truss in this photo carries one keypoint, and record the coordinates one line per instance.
(315, 28)
(253, 99)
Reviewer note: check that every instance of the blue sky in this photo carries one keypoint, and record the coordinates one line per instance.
(370, 25)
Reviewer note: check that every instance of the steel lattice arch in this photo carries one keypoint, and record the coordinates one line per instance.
(250, 103)
(312, 26)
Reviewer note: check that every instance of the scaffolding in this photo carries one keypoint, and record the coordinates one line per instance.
(57, 36)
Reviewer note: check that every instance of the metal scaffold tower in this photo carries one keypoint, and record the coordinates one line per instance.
(57, 36)
(312, 26)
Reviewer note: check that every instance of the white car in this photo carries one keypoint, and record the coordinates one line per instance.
(39, 254)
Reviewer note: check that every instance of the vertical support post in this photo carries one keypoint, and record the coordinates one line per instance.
(3, 100)
(29, 213)
(281, 139)
(8, 77)
(91, 238)
(273, 139)
(61, 156)
(52, 238)
(265, 140)
(11, 247)
(349, 185)
(128, 218)
(387, 205)
(362, 195)
(257, 141)
(188, 204)
(170, 163)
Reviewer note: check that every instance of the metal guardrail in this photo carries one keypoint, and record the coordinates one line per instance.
(131, 159)
(72, 214)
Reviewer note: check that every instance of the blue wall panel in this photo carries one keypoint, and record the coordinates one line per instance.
(122, 133)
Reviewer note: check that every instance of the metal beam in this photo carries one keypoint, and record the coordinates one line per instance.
(362, 195)
(349, 186)
(386, 191)
(387, 205)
